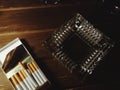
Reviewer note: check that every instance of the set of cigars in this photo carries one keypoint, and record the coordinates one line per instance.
(20, 68)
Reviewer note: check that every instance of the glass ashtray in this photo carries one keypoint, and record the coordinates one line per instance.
(78, 45)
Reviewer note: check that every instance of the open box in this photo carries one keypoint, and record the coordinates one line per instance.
(20, 68)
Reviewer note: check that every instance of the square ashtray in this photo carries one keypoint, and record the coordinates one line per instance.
(78, 45)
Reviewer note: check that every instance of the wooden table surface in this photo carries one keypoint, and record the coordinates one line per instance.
(33, 23)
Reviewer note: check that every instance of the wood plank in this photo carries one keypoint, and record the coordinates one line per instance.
(40, 17)
(33, 22)
(27, 3)
(55, 71)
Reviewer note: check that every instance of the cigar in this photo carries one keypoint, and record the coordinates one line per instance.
(25, 80)
(35, 69)
(20, 81)
(39, 71)
(15, 83)
(34, 75)
(30, 79)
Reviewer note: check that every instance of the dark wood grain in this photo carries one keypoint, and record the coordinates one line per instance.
(29, 3)
(32, 22)
(54, 70)
(40, 17)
